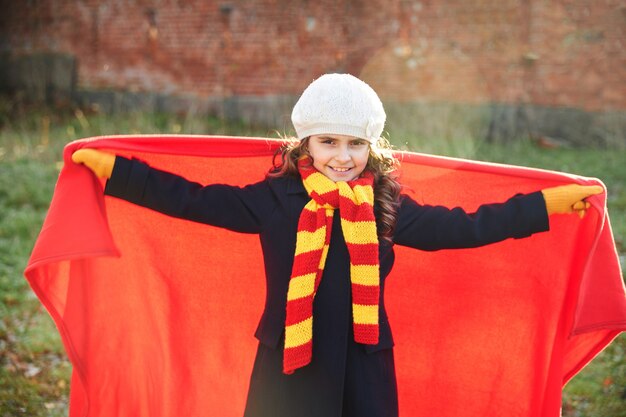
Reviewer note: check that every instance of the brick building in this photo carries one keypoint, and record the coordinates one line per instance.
(549, 67)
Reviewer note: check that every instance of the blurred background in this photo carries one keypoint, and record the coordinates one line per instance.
(537, 83)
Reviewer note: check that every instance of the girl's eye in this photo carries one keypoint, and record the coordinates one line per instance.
(358, 143)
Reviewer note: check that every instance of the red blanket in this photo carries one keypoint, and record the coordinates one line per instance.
(157, 314)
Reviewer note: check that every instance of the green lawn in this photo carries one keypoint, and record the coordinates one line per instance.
(34, 372)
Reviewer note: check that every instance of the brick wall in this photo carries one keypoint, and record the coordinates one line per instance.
(545, 53)
(554, 53)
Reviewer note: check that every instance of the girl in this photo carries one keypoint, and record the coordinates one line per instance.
(328, 215)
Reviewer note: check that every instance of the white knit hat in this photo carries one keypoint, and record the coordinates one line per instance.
(339, 104)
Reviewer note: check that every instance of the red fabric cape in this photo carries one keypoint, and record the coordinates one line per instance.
(157, 314)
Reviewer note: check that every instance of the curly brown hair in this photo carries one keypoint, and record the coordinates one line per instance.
(381, 163)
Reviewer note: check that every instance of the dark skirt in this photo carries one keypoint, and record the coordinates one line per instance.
(344, 381)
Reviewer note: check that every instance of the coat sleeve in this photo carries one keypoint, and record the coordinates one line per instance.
(241, 209)
(436, 227)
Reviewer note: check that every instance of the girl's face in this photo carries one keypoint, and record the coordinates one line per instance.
(339, 157)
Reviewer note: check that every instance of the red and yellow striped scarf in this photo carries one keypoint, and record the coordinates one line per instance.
(355, 201)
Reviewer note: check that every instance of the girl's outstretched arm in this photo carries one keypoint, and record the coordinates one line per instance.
(243, 209)
(436, 227)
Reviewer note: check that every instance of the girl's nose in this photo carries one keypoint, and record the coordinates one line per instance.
(343, 154)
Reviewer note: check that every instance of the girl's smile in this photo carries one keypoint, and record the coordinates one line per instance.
(339, 157)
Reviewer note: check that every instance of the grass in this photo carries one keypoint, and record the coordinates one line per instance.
(34, 371)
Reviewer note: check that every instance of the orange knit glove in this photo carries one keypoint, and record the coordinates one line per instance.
(101, 163)
(569, 198)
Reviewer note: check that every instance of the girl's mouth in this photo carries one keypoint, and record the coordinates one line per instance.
(338, 169)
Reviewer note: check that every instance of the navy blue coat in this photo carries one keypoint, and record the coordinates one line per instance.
(271, 208)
